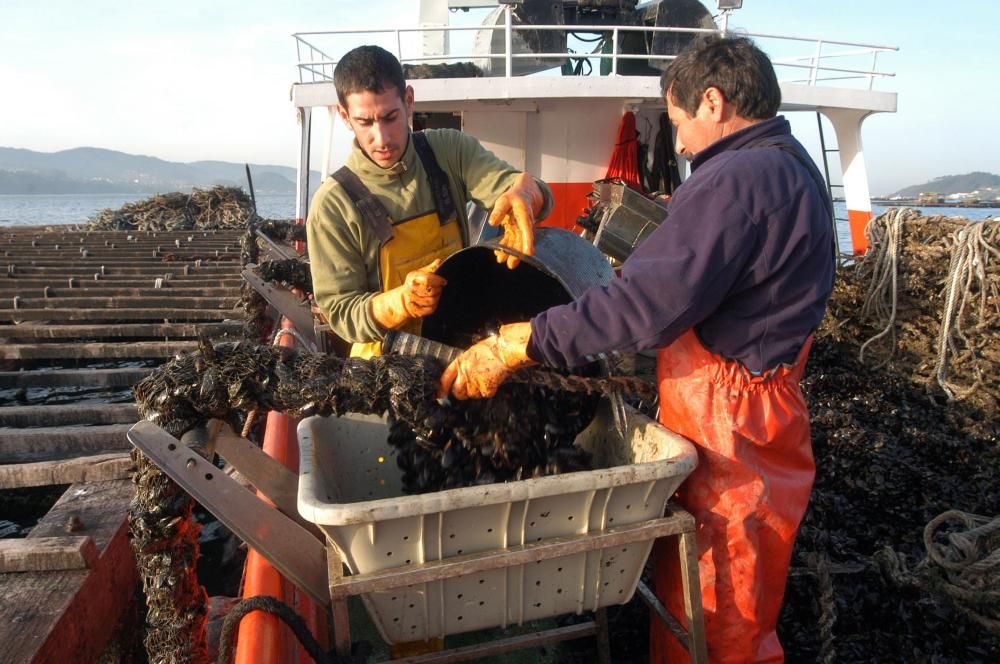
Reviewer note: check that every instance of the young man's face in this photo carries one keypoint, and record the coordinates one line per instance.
(380, 121)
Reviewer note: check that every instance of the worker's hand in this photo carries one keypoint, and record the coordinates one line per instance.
(516, 209)
(416, 298)
(479, 371)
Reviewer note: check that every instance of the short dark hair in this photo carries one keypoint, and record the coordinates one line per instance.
(368, 69)
(735, 66)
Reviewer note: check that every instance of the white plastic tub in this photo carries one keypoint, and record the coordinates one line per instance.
(349, 484)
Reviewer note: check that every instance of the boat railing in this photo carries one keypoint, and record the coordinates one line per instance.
(823, 62)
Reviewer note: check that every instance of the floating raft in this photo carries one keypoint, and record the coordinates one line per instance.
(84, 315)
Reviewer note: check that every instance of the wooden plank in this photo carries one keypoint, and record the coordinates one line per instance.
(111, 281)
(27, 445)
(46, 554)
(100, 289)
(152, 313)
(176, 330)
(96, 350)
(126, 377)
(87, 301)
(74, 413)
(91, 468)
(70, 615)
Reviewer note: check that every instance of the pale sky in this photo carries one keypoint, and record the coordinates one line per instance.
(190, 80)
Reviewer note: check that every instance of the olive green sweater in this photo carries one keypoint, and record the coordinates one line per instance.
(343, 249)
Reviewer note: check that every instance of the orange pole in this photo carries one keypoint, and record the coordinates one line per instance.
(263, 638)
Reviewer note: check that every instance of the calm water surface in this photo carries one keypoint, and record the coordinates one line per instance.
(25, 210)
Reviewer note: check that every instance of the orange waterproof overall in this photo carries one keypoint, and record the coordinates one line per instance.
(748, 494)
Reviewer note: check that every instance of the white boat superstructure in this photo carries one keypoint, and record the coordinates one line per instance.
(563, 128)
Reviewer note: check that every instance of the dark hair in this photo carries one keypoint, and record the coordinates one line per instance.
(368, 69)
(735, 66)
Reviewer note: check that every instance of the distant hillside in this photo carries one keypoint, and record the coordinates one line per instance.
(953, 184)
(95, 170)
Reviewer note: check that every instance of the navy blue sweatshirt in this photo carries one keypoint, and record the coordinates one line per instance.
(744, 256)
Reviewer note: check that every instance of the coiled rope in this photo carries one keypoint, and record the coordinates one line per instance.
(962, 565)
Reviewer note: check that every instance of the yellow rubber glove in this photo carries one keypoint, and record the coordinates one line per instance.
(515, 209)
(417, 297)
(479, 371)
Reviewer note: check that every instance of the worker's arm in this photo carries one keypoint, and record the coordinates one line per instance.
(343, 255)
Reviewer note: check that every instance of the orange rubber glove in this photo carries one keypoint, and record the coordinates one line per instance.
(479, 371)
(516, 209)
(417, 297)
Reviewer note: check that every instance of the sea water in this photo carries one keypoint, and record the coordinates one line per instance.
(34, 210)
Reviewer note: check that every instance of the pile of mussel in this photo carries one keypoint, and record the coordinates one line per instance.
(527, 430)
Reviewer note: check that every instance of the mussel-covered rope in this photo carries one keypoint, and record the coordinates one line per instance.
(224, 380)
(970, 259)
(277, 608)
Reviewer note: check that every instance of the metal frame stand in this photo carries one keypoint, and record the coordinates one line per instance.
(295, 548)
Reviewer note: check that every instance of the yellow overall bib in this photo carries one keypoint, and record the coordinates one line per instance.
(407, 244)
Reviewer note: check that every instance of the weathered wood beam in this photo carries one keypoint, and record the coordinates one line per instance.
(46, 554)
(166, 314)
(126, 330)
(63, 414)
(100, 289)
(90, 468)
(116, 302)
(126, 377)
(45, 444)
(70, 615)
(95, 351)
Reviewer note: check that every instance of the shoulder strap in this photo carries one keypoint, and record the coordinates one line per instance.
(369, 207)
(443, 201)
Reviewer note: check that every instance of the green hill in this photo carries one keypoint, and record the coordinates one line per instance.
(953, 184)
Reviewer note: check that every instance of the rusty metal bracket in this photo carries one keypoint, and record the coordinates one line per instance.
(296, 552)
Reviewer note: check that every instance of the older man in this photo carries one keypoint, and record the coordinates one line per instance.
(730, 288)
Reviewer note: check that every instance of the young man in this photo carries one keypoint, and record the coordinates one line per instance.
(379, 227)
(730, 288)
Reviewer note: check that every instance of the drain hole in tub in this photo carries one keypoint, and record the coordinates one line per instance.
(569, 518)
(538, 583)
(489, 530)
(537, 604)
(452, 536)
(411, 606)
(544, 514)
(459, 551)
(559, 569)
(394, 598)
(482, 580)
(611, 520)
(460, 617)
(628, 507)
(395, 619)
(406, 537)
(459, 595)
(532, 523)
(388, 553)
(481, 603)
(407, 561)
(559, 591)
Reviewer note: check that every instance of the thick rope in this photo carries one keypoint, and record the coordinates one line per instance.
(277, 608)
(965, 567)
(969, 262)
(885, 237)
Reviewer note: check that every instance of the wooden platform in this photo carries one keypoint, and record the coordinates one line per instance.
(83, 317)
